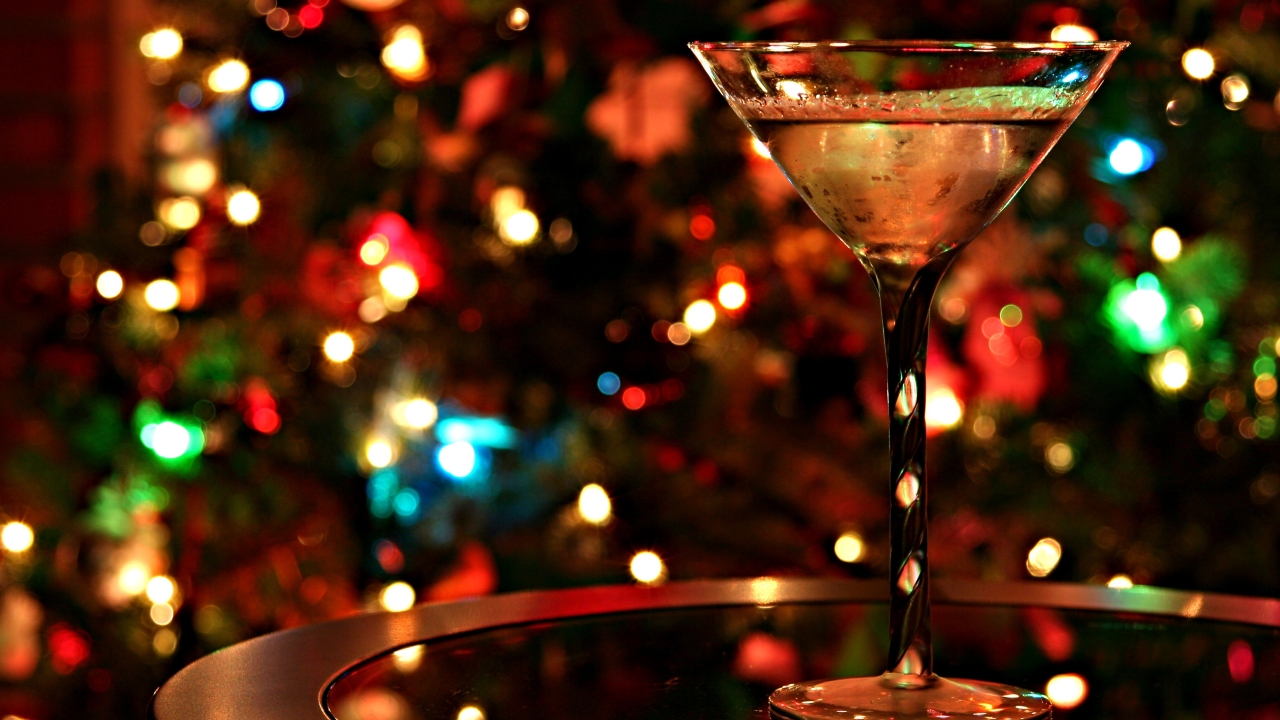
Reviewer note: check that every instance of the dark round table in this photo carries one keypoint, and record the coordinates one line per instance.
(715, 649)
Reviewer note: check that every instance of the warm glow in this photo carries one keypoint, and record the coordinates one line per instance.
(1235, 90)
(195, 176)
(1120, 582)
(162, 44)
(519, 228)
(1072, 33)
(162, 295)
(399, 281)
(133, 578)
(760, 148)
(1066, 691)
(470, 712)
(160, 589)
(1044, 557)
(339, 347)
(397, 597)
(420, 413)
(228, 77)
(17, 537)
(243, 207)
(379, 453)
(518, 19)
(679, 334)
(850, 548)
(732, 296)
(1198, 63)
(942, 409)
(1060, 457)
(700, 316)
(1166, 245)
(793, 89)
(404, 55)
(374, 250)
(179, 213)
(506, 201)
(110, 284)
(1173, 370)
(594, 505)
(648, 568)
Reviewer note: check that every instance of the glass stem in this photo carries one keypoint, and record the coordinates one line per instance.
(905, 300)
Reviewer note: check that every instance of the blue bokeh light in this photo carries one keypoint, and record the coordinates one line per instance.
(489, 432)
(1096, 234)
(1130, 157)
(406, 502)
(609, 383)
(457, 459)
(266, 95)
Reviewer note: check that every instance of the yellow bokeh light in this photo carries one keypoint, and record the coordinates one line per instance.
(110, 284)
(399, 281)
(1198, 63)
(732, 296)
(505, 201)
(162, 295)
(679, 334)
(161, 613)
(17, 537)
(942, 409)
(1120, 582)
(229, 76)
(420, 413)
(1172, 370)
(133, 578)
(850, 547)
(397, 597)
(1066, 691)
(339, 346)
(243, 207)
(194, 176)
(518, 19)
(1044, 557)
(1235, 90)
(1072, 33)
(160, 589)
(1166, 244)
(404, 54)
(1060, 457)
(379, 453)
(647, 568)
(161, 44)
(700, 316)
(519, 228)
(594, 505)
(470, 712)
(374, 249)
(181, 213)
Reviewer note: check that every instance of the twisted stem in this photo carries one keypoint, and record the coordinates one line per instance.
(905, 301)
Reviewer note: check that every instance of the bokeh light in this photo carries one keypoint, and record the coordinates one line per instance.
(379, 453)
(397, 597)
(229, 76)
(182, 213)
(169, 440)
(17, 536)
(518, 18)
(266, 95)
(160, 589)
(1072, 33)
(700, 316)
(161, 295)
(942, 409)
(132, 578)
(1059, 457)
(608, 383)
(1198, 64)
(1066, 691)
(161, 613)
(399, 281)
(1120, 582)
(374, 249)
(1044, 557)
(850, 547)
(1235, 90)
(404, 54)
(110, 284)
(457, 459)
(161, 44)
(420, 413)
(339, 346)
(1130, 157)
(647, 568)
(732, 295)
(519, 228)
(594, 505)
(1166, 244)
(1172, 370)
(470, 712)
(243, 207)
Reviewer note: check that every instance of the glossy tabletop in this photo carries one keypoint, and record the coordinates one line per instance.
(715, 649)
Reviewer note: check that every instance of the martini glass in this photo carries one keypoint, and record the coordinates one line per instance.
(907, 150)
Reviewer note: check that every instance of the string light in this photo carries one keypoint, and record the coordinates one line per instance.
(1198, 64)
(1044, 557)
(374, 249)
(397, 597)
(647, 568)
(1072, 33)
(229, 76)
(732, 295)
(243, 207)
(399, 281)
(161, 44)
(700, 316)
(1166, 245)
(594, 505)
(181, 213)
(110, 284)
(339, 346)
(17, 537)
(160, 589)
(1066, 691)
(850, 547)
(404, 55)
(161, 295)
(379, 453)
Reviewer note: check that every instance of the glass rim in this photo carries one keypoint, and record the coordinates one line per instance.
(941, 46)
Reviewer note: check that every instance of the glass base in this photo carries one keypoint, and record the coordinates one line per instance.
(894, 696)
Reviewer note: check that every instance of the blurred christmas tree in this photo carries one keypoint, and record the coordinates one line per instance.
(432, 298)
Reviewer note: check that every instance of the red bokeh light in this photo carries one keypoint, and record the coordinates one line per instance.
(68, 648)
(633, 398)
(310, 16)
(702, 227)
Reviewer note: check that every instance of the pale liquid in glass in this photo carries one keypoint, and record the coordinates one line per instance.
(901, 192)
